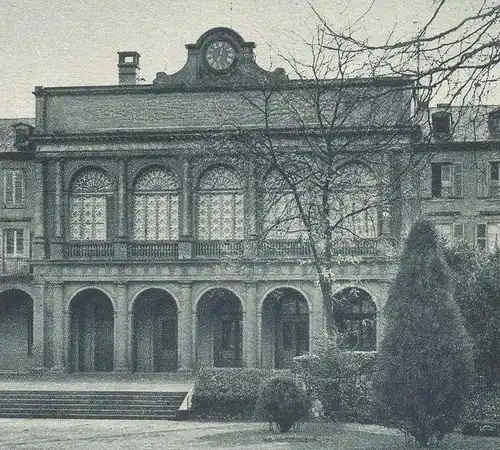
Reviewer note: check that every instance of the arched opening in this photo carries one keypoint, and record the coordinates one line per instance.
(285, 328)
(91, 332)
(358, 323)
(16, 330)
(219, 329)
(155, 332)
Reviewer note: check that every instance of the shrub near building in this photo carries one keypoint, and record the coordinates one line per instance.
(425, 363)
(228, 393)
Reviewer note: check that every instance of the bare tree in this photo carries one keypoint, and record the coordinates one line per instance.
(332, 146)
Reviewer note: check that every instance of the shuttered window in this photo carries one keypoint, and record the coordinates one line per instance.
(13, 188)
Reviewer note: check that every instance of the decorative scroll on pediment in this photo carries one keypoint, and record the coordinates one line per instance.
(219, 58)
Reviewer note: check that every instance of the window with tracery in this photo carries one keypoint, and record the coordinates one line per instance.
(281, 217)
(355, 203)
(220, 205)
(90, 195)
(156, 206)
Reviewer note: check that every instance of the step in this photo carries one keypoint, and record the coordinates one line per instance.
(91, 404)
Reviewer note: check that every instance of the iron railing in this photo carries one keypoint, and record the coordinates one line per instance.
(217, 249)
(154, 250)
(84, 250)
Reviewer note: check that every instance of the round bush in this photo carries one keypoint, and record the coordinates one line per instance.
(282, 401)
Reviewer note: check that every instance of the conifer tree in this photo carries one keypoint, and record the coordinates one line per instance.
(425, 365)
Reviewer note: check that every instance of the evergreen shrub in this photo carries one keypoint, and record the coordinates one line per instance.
(424, 369)
(282, 401)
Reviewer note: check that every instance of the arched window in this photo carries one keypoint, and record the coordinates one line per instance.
(281, 217)
(156, 206)
(220, 205)
(358, 321)
(89, 203)
(354, 206)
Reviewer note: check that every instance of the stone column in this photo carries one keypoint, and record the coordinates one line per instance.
(250, 326)
(56, 244)
(121, 337)
(38, 244)
(58, 200)
(251, 214)
(317, 322)
(58, 343)
(38, 327)
(121, 211)
(122, 199)
(185, 211)
(185, 329)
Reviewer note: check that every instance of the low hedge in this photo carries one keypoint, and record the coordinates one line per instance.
(228, 393)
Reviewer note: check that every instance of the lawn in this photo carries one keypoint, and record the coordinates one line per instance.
(334, 435)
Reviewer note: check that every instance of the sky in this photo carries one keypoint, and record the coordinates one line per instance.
(74, 42)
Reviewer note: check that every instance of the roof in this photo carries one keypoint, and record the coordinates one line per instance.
(7, 132)
(469, 123)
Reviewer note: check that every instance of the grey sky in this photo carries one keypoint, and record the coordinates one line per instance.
(74, 42)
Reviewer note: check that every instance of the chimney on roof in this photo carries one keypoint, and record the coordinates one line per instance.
(128, 67)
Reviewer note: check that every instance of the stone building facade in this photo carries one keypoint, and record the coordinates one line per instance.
(127, 245)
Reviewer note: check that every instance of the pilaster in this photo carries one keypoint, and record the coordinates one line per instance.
(38, 327)
(250, 326)
(185, 329)
(58, 339)
(121, 336)
(186, 206)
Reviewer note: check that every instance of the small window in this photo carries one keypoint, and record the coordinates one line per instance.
(13, 239)
(441, 123)
(494, 171)
(488, 237)
(494, 122)
(21, 136)
(447, 180)
(13, 188)
(481, 236)
(451, 233)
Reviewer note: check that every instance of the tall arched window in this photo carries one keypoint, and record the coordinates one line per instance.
(89, 203)
(281, 217)
(355, 204)
(220, 205)
(156, 206)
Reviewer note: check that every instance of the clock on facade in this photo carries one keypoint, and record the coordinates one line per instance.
(220, 55)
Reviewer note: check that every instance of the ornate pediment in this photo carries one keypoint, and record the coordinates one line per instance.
(219, 58)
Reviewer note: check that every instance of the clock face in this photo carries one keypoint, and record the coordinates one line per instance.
(220, 55)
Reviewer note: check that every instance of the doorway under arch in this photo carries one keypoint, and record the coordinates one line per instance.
(358, 324)
(220, 329)
(91, 332)
(285, 327)
(16, 331)
(155, 332)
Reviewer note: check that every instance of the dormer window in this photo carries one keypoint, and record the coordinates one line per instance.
(494, 122)
(22, 133)
(441, 123)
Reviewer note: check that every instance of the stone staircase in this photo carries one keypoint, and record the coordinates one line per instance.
(91, 404)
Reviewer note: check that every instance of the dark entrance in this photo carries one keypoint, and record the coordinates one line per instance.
(155, 332)
(285, 328)
(91, 341)
(220, 327)
(16, 331)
